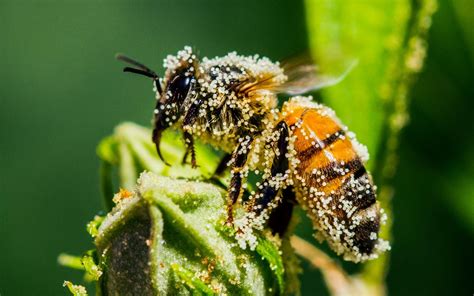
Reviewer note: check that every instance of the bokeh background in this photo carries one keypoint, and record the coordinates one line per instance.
(61, 91)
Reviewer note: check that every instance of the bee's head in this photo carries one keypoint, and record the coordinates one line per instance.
(172, 92)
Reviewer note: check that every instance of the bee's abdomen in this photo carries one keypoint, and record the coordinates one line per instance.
(333, 184)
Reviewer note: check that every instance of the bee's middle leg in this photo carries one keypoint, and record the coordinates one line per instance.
(238, 160)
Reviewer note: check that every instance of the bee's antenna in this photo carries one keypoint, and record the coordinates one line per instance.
(131, 61)
(142, 69)
(138, 71)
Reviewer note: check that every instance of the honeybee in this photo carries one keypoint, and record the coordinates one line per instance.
(302, 152)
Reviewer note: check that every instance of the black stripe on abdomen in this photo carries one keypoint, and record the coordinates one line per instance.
(362, 194)
(308, 152)
(336, 170)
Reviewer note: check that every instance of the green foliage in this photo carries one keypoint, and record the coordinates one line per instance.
(459, 185)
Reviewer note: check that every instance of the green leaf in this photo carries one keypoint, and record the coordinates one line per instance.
(465, 14)
(197, 286)
(75, 290)
(379, 34)
(93, 226)
(270, 252)
(388, 39)
(373, 33)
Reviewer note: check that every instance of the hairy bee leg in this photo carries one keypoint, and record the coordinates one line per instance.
(281, 216)
(272, 186)
(189, 119)
(222, 164)
(239, 158)
(189, 141)
(185, 156)
(186, 152)
(221, 167)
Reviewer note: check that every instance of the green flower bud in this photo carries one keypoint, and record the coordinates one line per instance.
(168, 238)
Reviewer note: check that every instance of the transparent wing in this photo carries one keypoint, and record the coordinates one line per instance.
(305, 76)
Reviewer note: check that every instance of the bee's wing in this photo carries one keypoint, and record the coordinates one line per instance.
(305, 76)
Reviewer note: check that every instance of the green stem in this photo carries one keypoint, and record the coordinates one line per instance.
(374, 272)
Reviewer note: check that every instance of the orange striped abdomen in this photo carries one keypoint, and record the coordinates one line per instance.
(331, 182)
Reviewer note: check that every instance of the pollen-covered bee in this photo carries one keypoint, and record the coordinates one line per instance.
(302, 151)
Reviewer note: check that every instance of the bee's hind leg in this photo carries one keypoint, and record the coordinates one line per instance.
(267, 198)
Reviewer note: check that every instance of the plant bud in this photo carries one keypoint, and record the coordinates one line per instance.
(167, 237)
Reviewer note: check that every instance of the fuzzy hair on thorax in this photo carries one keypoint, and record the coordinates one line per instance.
(234, 93)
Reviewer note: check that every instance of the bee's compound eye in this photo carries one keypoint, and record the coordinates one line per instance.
(180, 85)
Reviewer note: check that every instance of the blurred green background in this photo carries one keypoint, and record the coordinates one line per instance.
(61, 91)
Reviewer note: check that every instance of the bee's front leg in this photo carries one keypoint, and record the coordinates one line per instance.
(190, 117)
(189, 142)
(238, 160)
(222, 166)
